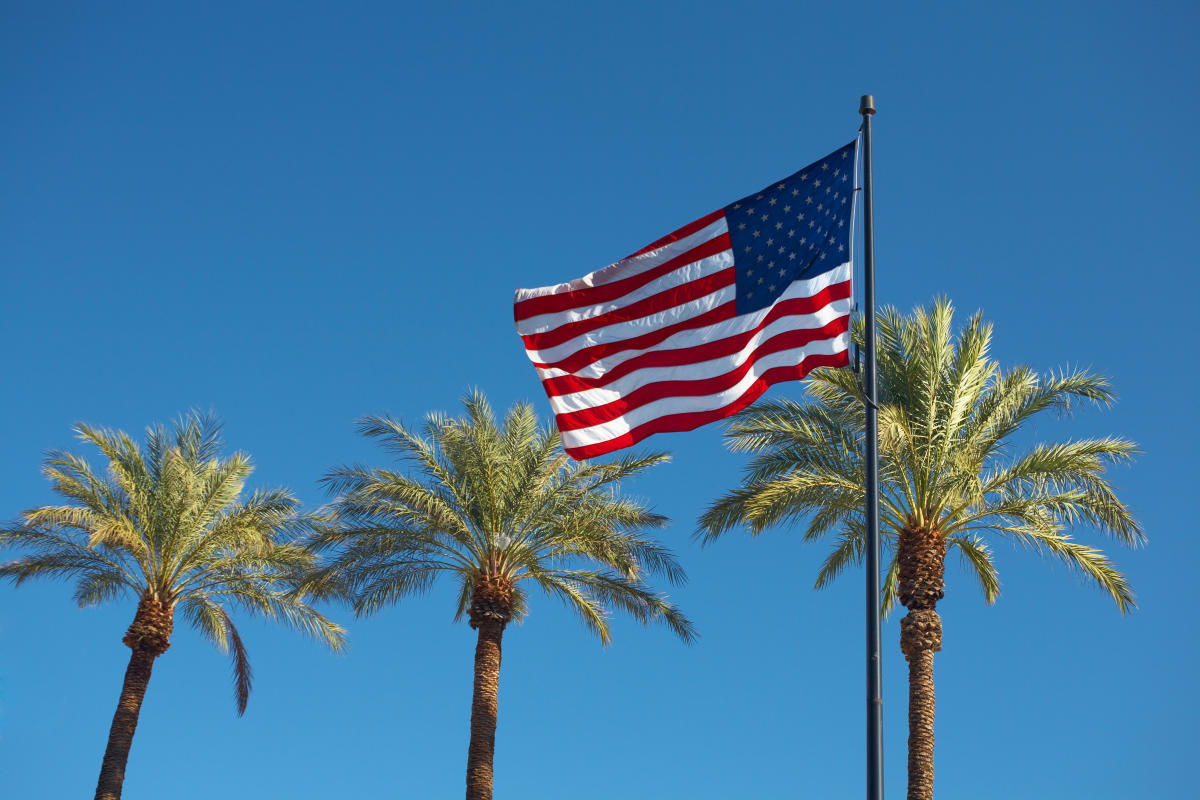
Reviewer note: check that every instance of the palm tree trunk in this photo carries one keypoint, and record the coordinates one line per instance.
(148, 637)
(920, 638)
(120, 735)
(921, 558)
(485, 707)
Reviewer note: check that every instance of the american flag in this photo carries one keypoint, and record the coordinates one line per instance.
(697, 325)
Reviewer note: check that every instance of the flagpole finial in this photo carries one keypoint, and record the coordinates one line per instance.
(866, 105)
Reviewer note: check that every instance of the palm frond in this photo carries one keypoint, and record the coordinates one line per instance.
(631, 597)
(850, 549)
(978, 556)
(1089, 561)
(591, 613)
(891, 587)
(242, 675)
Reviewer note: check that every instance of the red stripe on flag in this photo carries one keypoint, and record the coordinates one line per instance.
(569, 384)
(675, 423)
(608, 292)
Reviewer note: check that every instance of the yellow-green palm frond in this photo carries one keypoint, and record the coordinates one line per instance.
(891, 586)
(851, 544)
(242, 674)
(978, 557)
(215, 624)
(590, 611)
(592, 594)
(58, 554)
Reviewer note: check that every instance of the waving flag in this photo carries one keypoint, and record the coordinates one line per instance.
(697, 325)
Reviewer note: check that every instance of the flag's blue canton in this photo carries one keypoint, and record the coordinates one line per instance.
(796, 228)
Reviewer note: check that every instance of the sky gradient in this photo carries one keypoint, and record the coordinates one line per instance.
(297, 214)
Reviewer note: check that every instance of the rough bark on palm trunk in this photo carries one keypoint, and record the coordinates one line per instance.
(148, 638)
(921, 557)
(491, 609)
(920, 638)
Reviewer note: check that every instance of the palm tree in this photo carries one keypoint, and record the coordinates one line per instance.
(495, 508)
(166, 525)
(950, 474)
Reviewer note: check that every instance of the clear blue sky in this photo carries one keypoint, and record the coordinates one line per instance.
(297, 214)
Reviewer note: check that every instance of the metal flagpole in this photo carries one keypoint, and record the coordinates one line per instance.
(866, 107)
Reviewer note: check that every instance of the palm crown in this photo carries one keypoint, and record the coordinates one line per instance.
(947, 414)
(496, 507)
(167, 524)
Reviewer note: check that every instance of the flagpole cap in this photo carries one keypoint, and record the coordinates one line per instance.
(866, 105)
